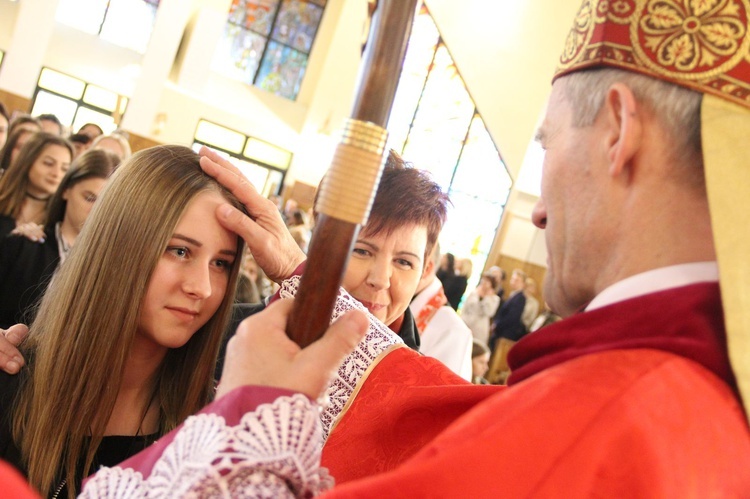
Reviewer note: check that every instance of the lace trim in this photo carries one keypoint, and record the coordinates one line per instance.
(378, 339)
(273, 452)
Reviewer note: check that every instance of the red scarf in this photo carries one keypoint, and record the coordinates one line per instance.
(430, 309)
(687, 321)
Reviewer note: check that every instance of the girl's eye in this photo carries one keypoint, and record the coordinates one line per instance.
(90, 199)
(225, 265)
(178, 251)
(361, 252)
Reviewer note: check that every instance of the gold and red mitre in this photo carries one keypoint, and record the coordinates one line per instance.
(701, 45)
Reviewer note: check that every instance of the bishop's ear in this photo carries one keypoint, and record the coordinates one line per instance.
(624, 127)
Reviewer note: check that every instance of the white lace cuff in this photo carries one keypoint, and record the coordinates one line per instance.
(274, 451)
(378, 339)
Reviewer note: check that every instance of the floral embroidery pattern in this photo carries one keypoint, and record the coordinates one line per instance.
(579, 35)
(692, 34)
(377, 340)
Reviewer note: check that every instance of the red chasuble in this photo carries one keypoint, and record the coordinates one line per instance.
(631, 400)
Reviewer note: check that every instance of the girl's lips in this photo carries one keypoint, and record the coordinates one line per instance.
(183, 313)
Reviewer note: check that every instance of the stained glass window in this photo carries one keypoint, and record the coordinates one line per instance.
(263, 164)
(127, 23)
(76, 102)
(434, 123)
(267, 43)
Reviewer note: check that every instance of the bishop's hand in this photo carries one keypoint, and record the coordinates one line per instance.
(264, 231)
(261, 353)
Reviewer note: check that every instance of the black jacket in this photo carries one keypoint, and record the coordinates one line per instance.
(26, 268)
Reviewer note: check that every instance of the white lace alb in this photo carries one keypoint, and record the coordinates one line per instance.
(273, 452)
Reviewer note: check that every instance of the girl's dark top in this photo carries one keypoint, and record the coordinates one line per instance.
(7, 224)
(26, 268)
(113, 449)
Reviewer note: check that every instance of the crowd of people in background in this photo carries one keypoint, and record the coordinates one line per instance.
(497, 319)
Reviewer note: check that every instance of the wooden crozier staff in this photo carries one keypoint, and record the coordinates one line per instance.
(349, 186)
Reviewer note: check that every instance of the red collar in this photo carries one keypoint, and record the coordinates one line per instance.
(687, 321)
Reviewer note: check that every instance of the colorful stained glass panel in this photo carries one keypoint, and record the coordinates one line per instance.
(297, 24)
(255, 15)
(238, 54)
(282, 70)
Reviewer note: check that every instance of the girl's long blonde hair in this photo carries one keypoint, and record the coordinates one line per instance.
(81, 338)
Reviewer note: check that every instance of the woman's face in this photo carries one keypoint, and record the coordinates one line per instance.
(191, 277)
(80, 199)
(384, 270)
(48, 170)
(480, 364)
(91, 131)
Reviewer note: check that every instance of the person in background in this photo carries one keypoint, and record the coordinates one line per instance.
(28, 184)
(447, 270)
(508, 323)
(81, 143)
(479, 308)
(50, 124)
(507, 328)
(26, 122)
(442, 333)
(247, 282)
(4, 124)
(13, 146)
(480, 359)
(499, 275)
(299, 229)
(290, 207)
(115, 143)
(531, 308)
(456, 287)
(92, 130)
(26, 265)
